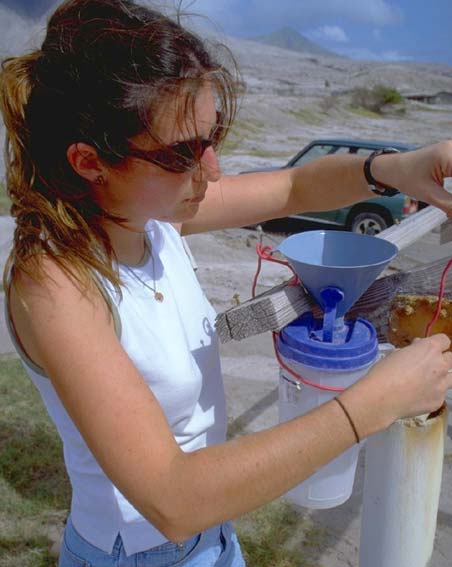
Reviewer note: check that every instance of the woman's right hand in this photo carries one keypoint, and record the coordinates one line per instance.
(408, 382)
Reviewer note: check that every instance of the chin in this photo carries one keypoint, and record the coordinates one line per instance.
(191, 209)
(187, 214)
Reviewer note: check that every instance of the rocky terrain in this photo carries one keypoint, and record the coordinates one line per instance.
(292, 98)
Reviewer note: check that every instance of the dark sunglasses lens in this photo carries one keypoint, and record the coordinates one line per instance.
(177, 158)
(192, 149)
(183, 156)
(172, 161)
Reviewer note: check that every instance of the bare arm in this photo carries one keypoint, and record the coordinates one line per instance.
(326, 183)
(71, 336)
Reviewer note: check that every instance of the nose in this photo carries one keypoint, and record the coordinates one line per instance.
(209, 169)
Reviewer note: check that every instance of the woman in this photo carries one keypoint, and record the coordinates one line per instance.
(112, 130)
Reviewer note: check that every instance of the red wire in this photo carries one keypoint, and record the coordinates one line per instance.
(297, 376)
(265, 253)
(428, 329)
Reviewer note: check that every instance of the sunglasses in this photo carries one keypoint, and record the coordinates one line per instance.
(180, 157)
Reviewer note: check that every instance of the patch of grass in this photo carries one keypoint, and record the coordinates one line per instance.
(31, 463)
(376, 99)
(258, 152)
(360, 111)
(388, 95)
(34, 488)
(31, 460)
(240, 131)
(4, 200)
(276, 535)
(230, 145)
(307, 116)
(31, 553)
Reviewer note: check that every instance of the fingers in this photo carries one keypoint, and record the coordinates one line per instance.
(442, 340)
(424, 172)
(439, 339)
(436, 195)
(445, 160)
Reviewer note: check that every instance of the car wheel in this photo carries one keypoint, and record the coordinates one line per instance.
(368, 223)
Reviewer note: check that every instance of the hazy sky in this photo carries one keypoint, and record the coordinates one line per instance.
(410, 30)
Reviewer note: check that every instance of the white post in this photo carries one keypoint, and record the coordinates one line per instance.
(401, 493)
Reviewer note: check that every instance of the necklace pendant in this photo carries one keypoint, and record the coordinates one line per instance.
(159, 296)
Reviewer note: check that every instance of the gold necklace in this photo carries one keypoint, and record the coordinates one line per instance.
(158, 295)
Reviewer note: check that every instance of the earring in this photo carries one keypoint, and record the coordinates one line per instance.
(99, 180)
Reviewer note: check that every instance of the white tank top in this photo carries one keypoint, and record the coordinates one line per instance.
(174, 346)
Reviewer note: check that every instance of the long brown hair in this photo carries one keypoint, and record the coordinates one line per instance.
(103, 68)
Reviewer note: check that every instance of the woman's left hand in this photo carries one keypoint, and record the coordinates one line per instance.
(419, 173)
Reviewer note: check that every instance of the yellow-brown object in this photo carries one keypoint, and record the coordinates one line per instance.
(410, 315)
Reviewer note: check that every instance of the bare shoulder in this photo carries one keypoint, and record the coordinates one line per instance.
(41, 307)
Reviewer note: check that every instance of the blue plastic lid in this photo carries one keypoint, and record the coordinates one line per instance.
(354, 346)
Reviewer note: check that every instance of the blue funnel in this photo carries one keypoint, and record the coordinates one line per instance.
(344, 260)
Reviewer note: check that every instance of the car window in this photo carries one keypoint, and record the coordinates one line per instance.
(319, 150)
(314, 152)
(342, 150)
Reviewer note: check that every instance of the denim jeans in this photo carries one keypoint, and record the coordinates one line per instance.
(216, 546)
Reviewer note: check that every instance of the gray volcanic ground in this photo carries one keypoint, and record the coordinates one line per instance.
(292, 98)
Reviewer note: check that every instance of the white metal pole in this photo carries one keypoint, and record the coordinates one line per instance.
(401, 493)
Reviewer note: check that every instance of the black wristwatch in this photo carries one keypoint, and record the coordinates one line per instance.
(374, 185)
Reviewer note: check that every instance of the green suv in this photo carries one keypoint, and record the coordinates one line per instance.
(367, 217)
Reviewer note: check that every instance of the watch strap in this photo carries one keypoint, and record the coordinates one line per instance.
(375, 186)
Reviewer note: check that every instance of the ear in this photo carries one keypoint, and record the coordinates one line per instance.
(84, 160)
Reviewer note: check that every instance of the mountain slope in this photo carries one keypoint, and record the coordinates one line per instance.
(288, 38)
